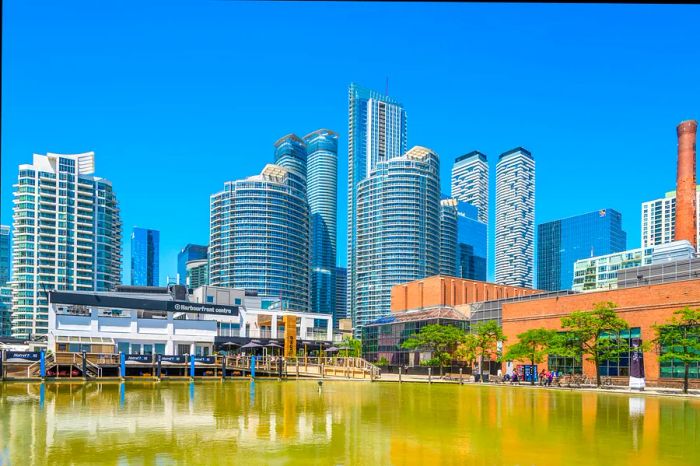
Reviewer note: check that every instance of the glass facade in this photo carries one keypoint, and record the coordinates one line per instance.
(515, 218)
(321, 191)
(562, 242)
(290, 153)
(67, 236)
(197, 272)
(383, 339)
(471, 243)
(5, 311)
(259, 236)
(341, 293)
(621, 365)
(376, 132)
(398, 230)
(189, 253)
(4, 254)
(145, 257)
(448, 237)
(676, 368)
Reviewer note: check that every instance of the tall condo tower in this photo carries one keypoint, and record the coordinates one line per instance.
(67, 236)
(515, 218)
(686, 207)
(398, 230)
(470, 182)
(259, 236)
(145, 257)
(376, 133)
(448, 237)
(321, 191)
(4, 254)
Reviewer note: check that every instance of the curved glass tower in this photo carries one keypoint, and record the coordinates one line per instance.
(290, 153)
(259, 236)
(321, 189)
(398, 230)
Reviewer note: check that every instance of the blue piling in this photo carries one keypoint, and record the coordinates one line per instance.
(252, 367)
(122, 365)
(192, 365)
(42, 364)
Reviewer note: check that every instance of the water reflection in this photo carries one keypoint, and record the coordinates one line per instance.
(346, 422)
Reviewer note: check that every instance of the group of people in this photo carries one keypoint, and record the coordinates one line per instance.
(545, 378)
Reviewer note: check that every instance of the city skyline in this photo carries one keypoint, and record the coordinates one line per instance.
(584, 109)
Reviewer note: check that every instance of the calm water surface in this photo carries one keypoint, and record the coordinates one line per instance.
(269, 422)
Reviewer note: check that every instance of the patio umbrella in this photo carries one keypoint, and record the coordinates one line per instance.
(273, 345)
(252, 344)
(332, 349)
(230, 344)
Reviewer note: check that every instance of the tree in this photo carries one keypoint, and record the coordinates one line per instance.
(466, 351)
(533, 346)
(488, 334)
(589, 333)
(679, 340)
(352, 347)
(441, 340)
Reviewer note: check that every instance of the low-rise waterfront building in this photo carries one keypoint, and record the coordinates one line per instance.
(153, 320)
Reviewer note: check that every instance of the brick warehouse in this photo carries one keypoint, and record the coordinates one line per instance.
(641, 307)
(443, 290)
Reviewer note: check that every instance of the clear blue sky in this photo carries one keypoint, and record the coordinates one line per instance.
(175, 98)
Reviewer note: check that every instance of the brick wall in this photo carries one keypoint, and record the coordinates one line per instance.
(640, 307)
(442, 290)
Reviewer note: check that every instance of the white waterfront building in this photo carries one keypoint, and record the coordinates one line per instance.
(152, 320)
(659, 220)
(470, 182)
(515, 218)
(67, 235)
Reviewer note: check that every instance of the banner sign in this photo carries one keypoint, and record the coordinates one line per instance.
(218, 309)
(205, 359)
(22, 356)
(173, 359)
(637, 365)
(144, 358)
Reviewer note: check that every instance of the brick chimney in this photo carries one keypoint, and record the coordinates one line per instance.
(686, 207)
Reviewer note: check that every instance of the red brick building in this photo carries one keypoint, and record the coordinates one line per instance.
(641, 307)
(443, 290)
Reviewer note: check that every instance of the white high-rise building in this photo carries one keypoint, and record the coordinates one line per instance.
(67, 236)
(470, 182)
(659, 220)
(515, 218)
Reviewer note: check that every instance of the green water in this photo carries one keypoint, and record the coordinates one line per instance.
(269, 422)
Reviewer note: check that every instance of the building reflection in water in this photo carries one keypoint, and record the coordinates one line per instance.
(359, 423)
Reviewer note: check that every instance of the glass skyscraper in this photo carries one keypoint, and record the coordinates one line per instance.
(515, 218)
(259, 236)
(67, 236)
(4, 254)
(321, 191)
(290, 153)
(376, 133)
(189, 253)
(145, 257)
(197, 273)
(341, 293)
(398, 230)
(5, 311)
(470, 182)
(448, 237)
(471, 243)
(562, 242)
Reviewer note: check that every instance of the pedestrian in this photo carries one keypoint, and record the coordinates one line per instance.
(550, 376)
(543, 377)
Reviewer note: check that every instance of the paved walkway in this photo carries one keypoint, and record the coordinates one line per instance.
(650, 391)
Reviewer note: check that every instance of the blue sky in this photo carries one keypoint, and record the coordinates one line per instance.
(175, 98)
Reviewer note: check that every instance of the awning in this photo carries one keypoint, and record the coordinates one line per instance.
(85, 340)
